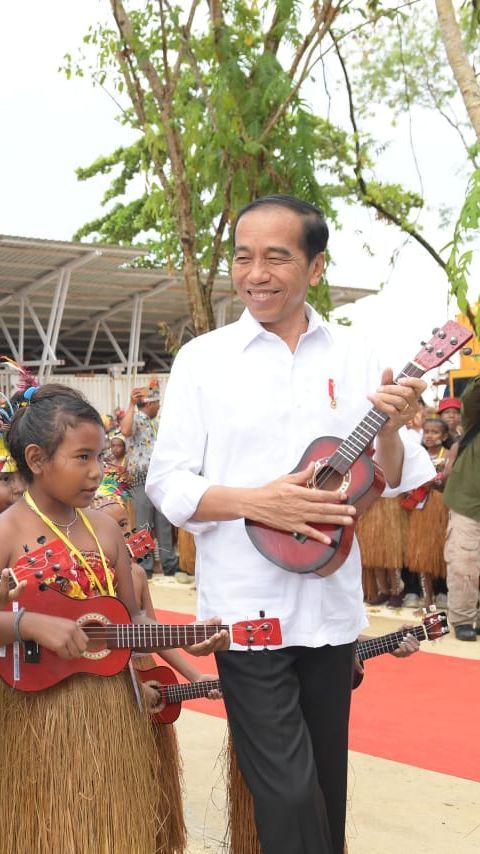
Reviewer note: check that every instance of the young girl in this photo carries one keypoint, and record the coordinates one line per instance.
(71, 756)
(172, 834)
(428, 515)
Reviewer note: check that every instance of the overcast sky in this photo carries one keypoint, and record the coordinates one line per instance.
(50, 126)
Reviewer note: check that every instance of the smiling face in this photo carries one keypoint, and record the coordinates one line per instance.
(72, 475)
(271, 272)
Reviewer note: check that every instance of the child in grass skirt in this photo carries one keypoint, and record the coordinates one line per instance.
(428, 516)
(111, 498)
(71, 756)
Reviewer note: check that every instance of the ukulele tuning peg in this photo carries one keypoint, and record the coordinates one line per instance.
(467, 351)
(439, 353)
(261, 614)
(55, 567)
(43, 586)
(442, 334)
(39, 574)
(435, 330)
(25, 548)
(134, 530)
(41, 540)
(453, 341)
(423, 343)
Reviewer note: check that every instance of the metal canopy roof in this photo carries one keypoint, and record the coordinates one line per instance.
(82, 307)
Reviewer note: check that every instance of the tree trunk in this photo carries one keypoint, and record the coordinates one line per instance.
(459, 62)
(200, 305)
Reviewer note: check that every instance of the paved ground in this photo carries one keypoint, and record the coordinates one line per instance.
(393, 808)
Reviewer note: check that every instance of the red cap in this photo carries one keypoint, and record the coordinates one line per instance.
(449, 403)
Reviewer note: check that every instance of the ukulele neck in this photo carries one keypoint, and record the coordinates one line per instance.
(364, 433)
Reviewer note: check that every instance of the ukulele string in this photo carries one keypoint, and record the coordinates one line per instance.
(321, 478)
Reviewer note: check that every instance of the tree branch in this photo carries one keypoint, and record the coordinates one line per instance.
(359, 173)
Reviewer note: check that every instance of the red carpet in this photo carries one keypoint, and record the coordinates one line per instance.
(423, 712)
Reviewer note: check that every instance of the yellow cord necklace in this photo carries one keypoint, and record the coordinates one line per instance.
(110, 591)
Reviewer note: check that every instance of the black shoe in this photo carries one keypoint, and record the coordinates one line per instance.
(465, 633)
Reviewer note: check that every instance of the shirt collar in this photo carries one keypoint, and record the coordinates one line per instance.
(248, 328)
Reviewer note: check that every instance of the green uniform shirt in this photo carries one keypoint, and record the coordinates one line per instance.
(462, 491)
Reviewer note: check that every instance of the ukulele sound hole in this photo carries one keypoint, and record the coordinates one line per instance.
(95, 625)
(324, 477)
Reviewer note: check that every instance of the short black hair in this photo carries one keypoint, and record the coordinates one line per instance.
(44, 421)
(315, 228)
(436, 420)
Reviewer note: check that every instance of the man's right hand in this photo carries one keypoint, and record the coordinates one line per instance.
(288, 504)
(64, 637)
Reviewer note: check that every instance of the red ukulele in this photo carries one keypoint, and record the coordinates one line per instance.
(433, 627)
(112, 635)
(347, 466)
(139, 543)
(173, 692)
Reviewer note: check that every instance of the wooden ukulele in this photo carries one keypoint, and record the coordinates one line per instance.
(433, 627)
(346, 465)
(174, 692)
(106, 620)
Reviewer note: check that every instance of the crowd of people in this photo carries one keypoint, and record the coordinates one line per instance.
(83, 769)
(421, 548)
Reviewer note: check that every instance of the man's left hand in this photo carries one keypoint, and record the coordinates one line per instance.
(398, 400)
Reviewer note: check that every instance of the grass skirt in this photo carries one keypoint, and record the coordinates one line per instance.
(241, 836)
(426, 536)
(186, 551)
(172, 835)
(79, 773)
(381, 534)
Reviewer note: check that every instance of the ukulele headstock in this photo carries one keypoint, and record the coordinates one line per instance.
(444, 343)
(139, 543)
(49, 559)
(263, 632)
(436, 625)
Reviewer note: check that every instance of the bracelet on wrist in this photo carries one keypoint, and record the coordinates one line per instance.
(16, 625)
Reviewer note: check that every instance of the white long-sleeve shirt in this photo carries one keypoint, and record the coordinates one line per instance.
(240, 409)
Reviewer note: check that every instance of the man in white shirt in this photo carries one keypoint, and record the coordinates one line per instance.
(242, 404)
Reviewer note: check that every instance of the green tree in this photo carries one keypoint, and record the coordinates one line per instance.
(427, 60)
(217, 95)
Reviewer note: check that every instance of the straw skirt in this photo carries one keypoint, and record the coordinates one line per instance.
(426, 536)
(79, 770)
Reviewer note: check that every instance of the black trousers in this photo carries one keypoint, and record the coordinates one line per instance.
(288, 712)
